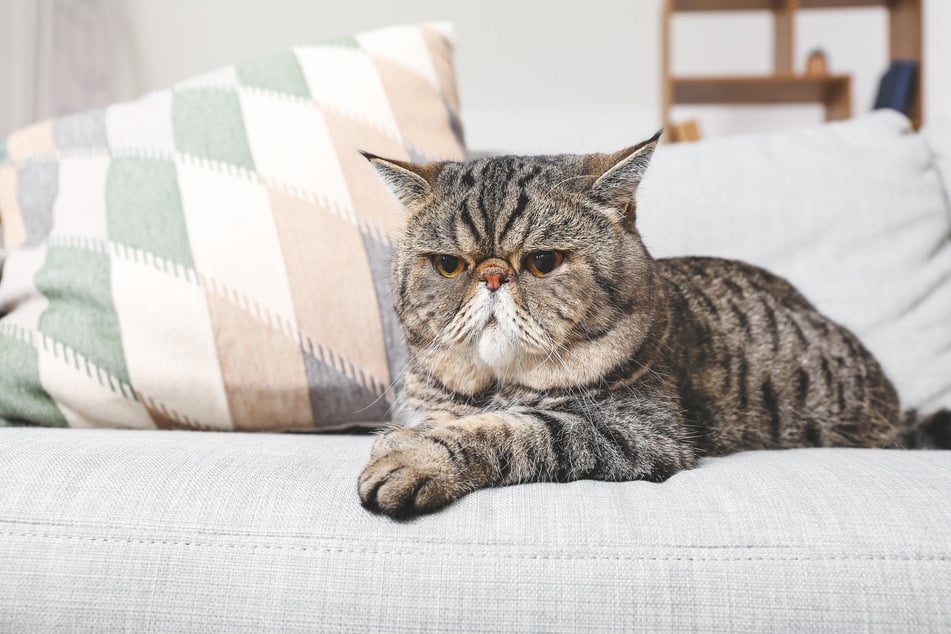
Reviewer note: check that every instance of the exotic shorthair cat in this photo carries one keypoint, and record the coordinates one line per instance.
(548, 345)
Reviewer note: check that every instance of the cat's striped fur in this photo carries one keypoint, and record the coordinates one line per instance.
(614, 366)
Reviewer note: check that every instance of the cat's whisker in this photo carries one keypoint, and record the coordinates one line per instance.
(393, 383)
(459, 324)
(583, 395)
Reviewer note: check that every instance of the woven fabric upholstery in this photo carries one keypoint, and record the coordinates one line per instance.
(176, 531)
(215, 255)
(855, 214)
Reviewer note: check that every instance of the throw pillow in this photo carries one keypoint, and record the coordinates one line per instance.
(215, 255)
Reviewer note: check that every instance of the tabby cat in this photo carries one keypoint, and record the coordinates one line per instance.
(548, 345)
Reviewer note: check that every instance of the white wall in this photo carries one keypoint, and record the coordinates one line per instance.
(535, 75)
(81, 52)
(937, 58)
(16, 63)
(7, 26)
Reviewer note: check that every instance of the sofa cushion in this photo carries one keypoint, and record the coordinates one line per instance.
(215, 255)
(937, 133)
(176, 531)
(854, 214)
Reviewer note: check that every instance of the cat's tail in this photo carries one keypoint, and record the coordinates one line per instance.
(928, 432)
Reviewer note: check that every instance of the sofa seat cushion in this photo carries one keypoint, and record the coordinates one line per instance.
(178, 531)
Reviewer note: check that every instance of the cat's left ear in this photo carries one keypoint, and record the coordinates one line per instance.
(411, 182)
(619, 174)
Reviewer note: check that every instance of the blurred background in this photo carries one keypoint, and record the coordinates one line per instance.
(534, 76)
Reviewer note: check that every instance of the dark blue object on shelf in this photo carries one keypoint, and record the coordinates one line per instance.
(898, 86)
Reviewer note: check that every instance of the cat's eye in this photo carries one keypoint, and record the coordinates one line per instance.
(448, 265)
(542, 263)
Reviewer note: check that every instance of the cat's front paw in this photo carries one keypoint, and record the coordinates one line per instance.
(409, 481)
(393, 440)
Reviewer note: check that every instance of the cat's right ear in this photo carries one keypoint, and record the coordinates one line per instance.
(412, 183)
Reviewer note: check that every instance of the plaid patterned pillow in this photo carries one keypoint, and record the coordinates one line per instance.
(215, 255)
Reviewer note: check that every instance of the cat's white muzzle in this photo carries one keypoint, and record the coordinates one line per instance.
(498, 341)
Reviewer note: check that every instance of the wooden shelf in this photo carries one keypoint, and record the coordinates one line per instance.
(845, 4)
(831, 90)
(724, 5)
(783, 86)
(773, 5)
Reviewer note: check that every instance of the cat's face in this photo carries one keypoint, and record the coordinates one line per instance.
(509, 267)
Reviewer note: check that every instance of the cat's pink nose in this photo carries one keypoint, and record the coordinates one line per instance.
(494, 272)
(492, 280)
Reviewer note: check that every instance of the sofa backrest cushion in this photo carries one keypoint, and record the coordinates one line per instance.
(854, 214)
(937, 133)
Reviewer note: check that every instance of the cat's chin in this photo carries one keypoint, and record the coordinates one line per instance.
(504, 358)
(496, 349)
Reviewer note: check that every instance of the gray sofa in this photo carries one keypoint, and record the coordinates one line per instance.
(186, 531)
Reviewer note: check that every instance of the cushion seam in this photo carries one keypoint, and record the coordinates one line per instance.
(491, 555)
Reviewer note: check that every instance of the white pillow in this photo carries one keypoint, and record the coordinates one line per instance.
(855, 214)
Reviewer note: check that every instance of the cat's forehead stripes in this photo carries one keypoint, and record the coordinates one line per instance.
(488, 213)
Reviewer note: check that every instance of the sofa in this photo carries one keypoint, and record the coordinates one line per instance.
(132, 530)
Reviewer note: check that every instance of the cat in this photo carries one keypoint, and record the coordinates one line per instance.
(547, 344)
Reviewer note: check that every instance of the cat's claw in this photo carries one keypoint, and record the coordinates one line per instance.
(407, 482)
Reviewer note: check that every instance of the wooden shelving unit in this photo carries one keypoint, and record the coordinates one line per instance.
(834, 92)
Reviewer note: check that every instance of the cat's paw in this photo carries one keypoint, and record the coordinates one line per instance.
(394, 439)
(409, 481)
